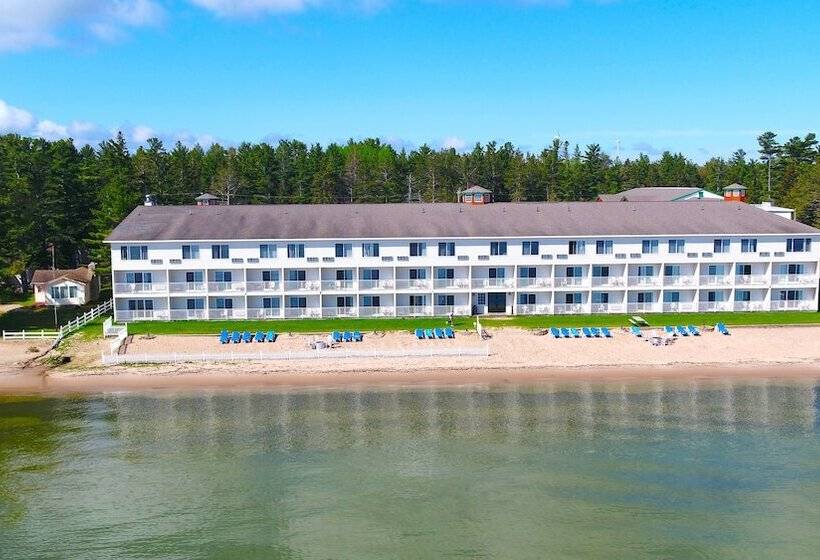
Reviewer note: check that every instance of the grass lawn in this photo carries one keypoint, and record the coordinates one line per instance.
(31, 317)
(21, 299)
(524, 321)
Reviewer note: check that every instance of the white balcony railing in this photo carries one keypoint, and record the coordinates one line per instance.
(533, 309)
(188, 287)
(608, 308)
(793, 279)
(338, 285)
(645, 281)
(680, 307)
(302, 313)
(714, 306)
(226, 287)
(747, 279)
(635, 307)
(339, 312)
(571, 282)
(795, 304)
(264, 312)
(442, 310)
(750, 306)
(680, 280)
(716, 280)
(264, 286)
(569, 308)
(416, 284)
(302, 285)
(143, 315)
(376, 284)
(227, 313)
(493, 283)
(382, 311)
(534, 283)
(188, 314)
(414, 310)
(607, 281)
(140, 288)
(451, 284)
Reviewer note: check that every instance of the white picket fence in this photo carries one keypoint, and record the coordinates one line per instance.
(305, 355)
(58, 334)
(42, 334)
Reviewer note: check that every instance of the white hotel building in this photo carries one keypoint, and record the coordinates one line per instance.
(385, 260)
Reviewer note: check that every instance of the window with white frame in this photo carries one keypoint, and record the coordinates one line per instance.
(671, 270)
(418, 249)
(297, 302)
(220, 252)
(370, 249)
(194, 303)
(443, 300)
(190, 252)
(677, 246)
(526, 272)
(743, 295)
(139, 277)
(645, 297)
(370, 273)
(223, 276)
(271, 303)
(267, 251)
(798, 245)
(270, 276)
(445, 273)
(192, 276)
(529, 247)
(573, 298)
(721, 245)
(716, 270)
(603, 247)
(344, 250)
(481, 299)
(134, 252)
(748, 245)
(671, 297)
(417, 274)
(743, 270)
(296, 250)
(600, 271)
(526, 299)
(371, 301)
(600, 297)
(498, 247)
(649, 246)
(296, 275)
(790, 295)
(577, 247)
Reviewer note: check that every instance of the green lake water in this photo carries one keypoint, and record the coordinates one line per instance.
(725, 469)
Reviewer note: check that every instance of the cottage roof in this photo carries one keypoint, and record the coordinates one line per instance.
(650, 194)
(82, 274)
(206, 196)
(476, 189)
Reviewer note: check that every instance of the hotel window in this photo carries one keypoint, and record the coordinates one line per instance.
(577, 247)
(671, 270)
(748, 245)
(574, 272)
(722, 245)
(645, 297)
(138, 277)
(677, 246)
(296, 250)
(224, 303)
(743, 295)
(370, 274)
(418, 273)
(526, 299)
(791, 295)
(344, 301)
(600, 297)
(220, 252)
(267, 251)
(271, 303)
(649, 246)
(446, 249)
(743, 270)
(497, 273)
(498, 247)
(194, 304)
(792, 268)
(443, 300)
(345, 274)
(526, 272)
(371, 301)
(481, 299)
(190, 252)
(299, 302)
(671, 297)
(603, 247)
(600, 271)
(296, 276)
(140, 305)
(223, 276)
(714, 295)
(646, 270)
(418, 249)
(270, 276)
(344, 250)
(194, 276)
(716, 270)
(417, 301)
(529, 247)
(134, 252)
(799, 245)
(445, 273)
(370, 249)
(572, 298)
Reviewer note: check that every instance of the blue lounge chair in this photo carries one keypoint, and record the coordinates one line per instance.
(575, 333)
(669, 330)
(635, 330)
(587, 332)
(721, 328)
(428, 333)
(347, 336)
(420, 334)
(449, 332)
(272, 336)
(357, 336)
(605, 332)
(596, 332)
(682, 330)
(247, 336)
(224, 337)
(260, 336)
(693, 330)
(438, 332)
(236, 337)
(565, 332)
(337, 336)
(555, 332)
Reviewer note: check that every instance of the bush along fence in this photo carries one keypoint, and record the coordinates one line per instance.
(71, 326)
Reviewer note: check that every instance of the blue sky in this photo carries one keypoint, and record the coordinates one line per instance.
(703, 78)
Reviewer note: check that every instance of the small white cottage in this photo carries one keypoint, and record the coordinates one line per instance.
(76, 286)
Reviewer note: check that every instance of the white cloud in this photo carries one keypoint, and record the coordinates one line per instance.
(454, 142)
(13, 119)
(51, 130)
(250, 8)
(25, 24)
(142, 133)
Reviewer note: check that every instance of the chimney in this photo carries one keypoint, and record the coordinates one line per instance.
(149, 200)
(734, 193)
(92, 266)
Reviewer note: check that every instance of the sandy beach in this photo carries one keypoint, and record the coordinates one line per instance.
(515, 355)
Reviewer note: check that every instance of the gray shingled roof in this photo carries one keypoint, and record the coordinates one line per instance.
(447, 220)
(734, 186)
(650, 194)
(476, 189)
(81, 274)
(206, 196)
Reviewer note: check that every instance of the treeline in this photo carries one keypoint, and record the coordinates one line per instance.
(55, 192)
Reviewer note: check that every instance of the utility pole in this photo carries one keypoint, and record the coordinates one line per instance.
(54, 273)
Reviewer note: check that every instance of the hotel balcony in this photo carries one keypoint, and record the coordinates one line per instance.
(188, 314)
(141, 288)
(339, 312)
(569, 308)
(262, 286)
(302, 285)
(644, 281)
(451, 284)
(608, 308)
(794, 279)
(338, 285)
(376, 284)
(747, 279)
(680, 307)
(796, 305)
(302, 313)
(227, 314)
(414, 311)
(608, 282)
(571, 282)
(188, 287)
(382, 311)
(226, 287)
(636, 307)
(533, 309)
(493, 283)
(442, 310)
(534, 283)
(264, 313)
(143, 315)
(680, 280)
(750, 306)
(722, 280)
(715, 306)
(416, 284)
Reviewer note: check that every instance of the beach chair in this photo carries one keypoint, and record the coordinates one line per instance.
(555, 332)
(681, 330)
(721, 328)
(693, 330)
(449, 332)
(428, 333)
(669, 330)
(605, 332)
(272, 336)
(247, 336)
(337, 336)
(347, 336)
(565, 332)
(596, 332)
(260, 336)
(357, 336)
(438, 332)
(575, 333)
(236, 337)
(635, 330)
(419, 334)
(224, 337)
(587, 332)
